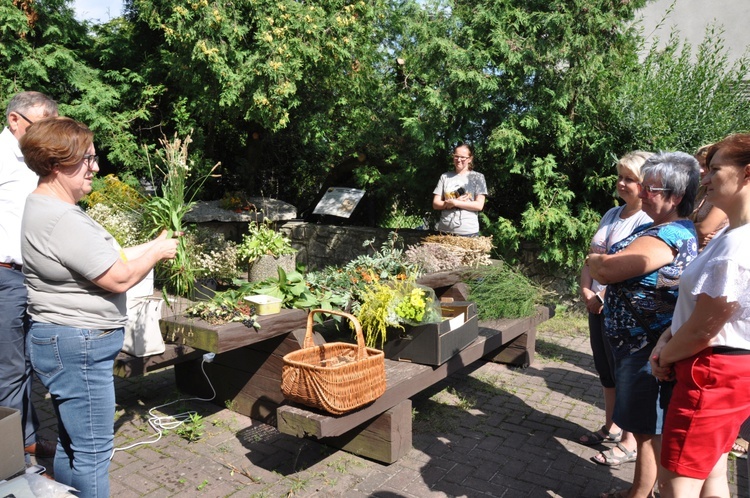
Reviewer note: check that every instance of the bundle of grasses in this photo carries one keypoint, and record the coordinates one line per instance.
(446, 252)
(502, 291)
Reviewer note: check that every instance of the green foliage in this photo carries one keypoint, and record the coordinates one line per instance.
(683, 97)
(192, 428)
(501, 291)
(224, 307)
(351, 281)
(166, 211)
(296, 96)
(374, 313)
(263, 240)
(294, 292)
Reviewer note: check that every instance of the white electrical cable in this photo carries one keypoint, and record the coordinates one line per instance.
(169, 422)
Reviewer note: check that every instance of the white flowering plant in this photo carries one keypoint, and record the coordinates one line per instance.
(126, 226)
(214, 257)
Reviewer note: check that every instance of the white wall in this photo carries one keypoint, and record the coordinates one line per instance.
(691, 17)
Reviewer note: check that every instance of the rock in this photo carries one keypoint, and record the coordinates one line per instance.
(266, 209)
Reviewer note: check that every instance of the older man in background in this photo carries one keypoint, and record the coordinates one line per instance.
(16, 182)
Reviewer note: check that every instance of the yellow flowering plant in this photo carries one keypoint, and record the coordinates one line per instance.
(392, 304)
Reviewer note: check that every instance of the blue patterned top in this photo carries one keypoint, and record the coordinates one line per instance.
(653, 295)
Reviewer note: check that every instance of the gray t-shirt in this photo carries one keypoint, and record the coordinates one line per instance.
(460, 221)
(63, 249)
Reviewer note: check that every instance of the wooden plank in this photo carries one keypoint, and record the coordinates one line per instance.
(385, 438)
(247, 379)
(199, 334)
(129, 366)
(441, 279)
(403, 380)
(520, 351)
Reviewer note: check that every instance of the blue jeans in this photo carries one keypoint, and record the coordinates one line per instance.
(15, 367)
(641, 401)
(76, 366)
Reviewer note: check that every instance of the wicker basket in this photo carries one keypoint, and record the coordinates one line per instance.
(337, 377)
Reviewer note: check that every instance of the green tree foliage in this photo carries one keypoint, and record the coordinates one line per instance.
(531, 84)
(44, 48)
(682, 97)
(292, 97)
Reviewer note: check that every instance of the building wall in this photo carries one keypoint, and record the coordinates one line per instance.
(691, 17)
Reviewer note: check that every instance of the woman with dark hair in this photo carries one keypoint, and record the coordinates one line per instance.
(706, 349)
(460, 195)
(708, 219)
(642, 273)
(76, 276)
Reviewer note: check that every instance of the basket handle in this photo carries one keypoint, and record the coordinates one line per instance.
(309, 342)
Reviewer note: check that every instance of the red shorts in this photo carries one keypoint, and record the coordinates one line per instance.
(710, 401)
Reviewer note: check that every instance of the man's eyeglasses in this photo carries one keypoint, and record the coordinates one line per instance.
(24, 117)
(90, 159)
(461, 158)
(653, 190)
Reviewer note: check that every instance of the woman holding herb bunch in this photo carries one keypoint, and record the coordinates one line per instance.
(76, 275)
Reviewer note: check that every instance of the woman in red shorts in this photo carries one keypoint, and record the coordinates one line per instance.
(708, 352)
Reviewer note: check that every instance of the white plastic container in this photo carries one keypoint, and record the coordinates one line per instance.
(265, 305)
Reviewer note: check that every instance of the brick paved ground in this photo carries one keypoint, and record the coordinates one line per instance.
(489, 430)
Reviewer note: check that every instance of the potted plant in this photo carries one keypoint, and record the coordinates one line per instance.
(215, 259)
(265, 250)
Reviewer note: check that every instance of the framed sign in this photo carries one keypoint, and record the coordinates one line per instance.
(339, 201)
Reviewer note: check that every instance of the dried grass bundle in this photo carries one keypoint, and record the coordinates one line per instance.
(480, 244)
(434, 257)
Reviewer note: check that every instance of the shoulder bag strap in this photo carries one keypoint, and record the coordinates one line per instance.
(652, 335)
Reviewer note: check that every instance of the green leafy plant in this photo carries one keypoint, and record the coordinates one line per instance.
(352, 281)
(263, 240)
(191, 428)
(393, 304)
(224, 307)
(166, 212)
(294, 292)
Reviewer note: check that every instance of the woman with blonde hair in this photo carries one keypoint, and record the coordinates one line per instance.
(616, 224)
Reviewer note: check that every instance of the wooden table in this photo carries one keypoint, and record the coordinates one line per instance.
(187, 339)
(200, 334)
(382, 430)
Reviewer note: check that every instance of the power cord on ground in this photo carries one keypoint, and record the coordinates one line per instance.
(171, 422)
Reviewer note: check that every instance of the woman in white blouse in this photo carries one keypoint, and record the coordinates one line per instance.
(706, 350)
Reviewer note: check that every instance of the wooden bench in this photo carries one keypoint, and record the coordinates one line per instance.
(187, 339)
(246, 372)
(382, 430)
